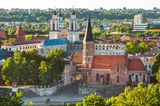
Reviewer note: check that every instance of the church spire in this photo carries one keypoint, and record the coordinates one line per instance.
(88, 34)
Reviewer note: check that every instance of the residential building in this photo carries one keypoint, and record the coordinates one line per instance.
(139, 23)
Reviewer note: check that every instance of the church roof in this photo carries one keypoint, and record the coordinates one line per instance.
(3, 35)
(20, 31)
(51, 42)
(88, 34)
(135, 64)
(108, 61)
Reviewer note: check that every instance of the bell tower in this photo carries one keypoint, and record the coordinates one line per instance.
(73, 34)
(88, 46)
(54, 22)
(72, 21)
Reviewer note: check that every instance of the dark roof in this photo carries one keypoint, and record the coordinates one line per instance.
(88, 34)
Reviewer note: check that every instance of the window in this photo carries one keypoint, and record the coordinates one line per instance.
(130, 79)
(97, 77)
(107, 77)
(144, 79)
(136, 78)
(117, 79)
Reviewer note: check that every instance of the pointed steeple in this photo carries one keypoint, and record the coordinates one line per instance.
(20, 34)
(88, 34)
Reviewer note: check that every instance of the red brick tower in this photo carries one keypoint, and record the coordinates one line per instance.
(20, 34)
(88, 46)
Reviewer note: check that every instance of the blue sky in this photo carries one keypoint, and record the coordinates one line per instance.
(91, 4)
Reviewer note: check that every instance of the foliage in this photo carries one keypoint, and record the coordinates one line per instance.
(98, 32)
(139, 96)
(92, 100)
(10, 40)
(137, 47)
(31, 68)
(11, 100)
(121, 28)
(38, 15)
(158, 75)
(28, 37)
(156, 63)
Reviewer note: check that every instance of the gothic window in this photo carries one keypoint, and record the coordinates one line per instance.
(97, 77)
(136, 78)
(144, 78)
(130, 79)
(117, 79)
(118, 68)
(107, 77)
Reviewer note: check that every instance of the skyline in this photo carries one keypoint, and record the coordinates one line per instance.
(90, 4)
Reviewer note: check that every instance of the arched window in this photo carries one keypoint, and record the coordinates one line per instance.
(117, 79)
(130, 79)
(107, 77)
(97, 77)
(136, 78)
(144, 79)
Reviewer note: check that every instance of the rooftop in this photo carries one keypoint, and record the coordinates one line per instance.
(51, 42)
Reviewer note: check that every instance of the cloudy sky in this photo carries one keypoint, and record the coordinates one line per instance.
(91, 4)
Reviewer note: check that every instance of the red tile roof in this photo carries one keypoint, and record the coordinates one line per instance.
(20, 32)
(3, 35)
(107, 61)
(135, 64)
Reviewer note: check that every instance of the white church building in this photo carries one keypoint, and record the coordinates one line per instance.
(57, 25)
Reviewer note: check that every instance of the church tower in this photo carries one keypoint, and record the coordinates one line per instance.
(72, 21)
(73, 35)
(88, 46)
(54, 22)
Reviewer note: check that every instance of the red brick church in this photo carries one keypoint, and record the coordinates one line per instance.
(107, 69)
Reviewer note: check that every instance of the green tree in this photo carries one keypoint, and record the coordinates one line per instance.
(158, 75)
(93, 100)
(28, 37)
(11, 100)
(45, 74)
(143, 47)
(139, 96)
(156, 64)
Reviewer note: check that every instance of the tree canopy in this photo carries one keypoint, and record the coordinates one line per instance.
(156, 63)
(31, 68)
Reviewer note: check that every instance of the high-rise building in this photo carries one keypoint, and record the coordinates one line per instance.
(138, 19)
(139, 23)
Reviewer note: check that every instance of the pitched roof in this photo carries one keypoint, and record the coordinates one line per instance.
(51, 42)
(77, 57)
(88, 35)
(135, 64)
(108, 61)
(20, 31)
(3, 35)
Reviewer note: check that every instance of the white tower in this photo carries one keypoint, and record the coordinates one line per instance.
(73, 35)
(54, 22)
(72, 21)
